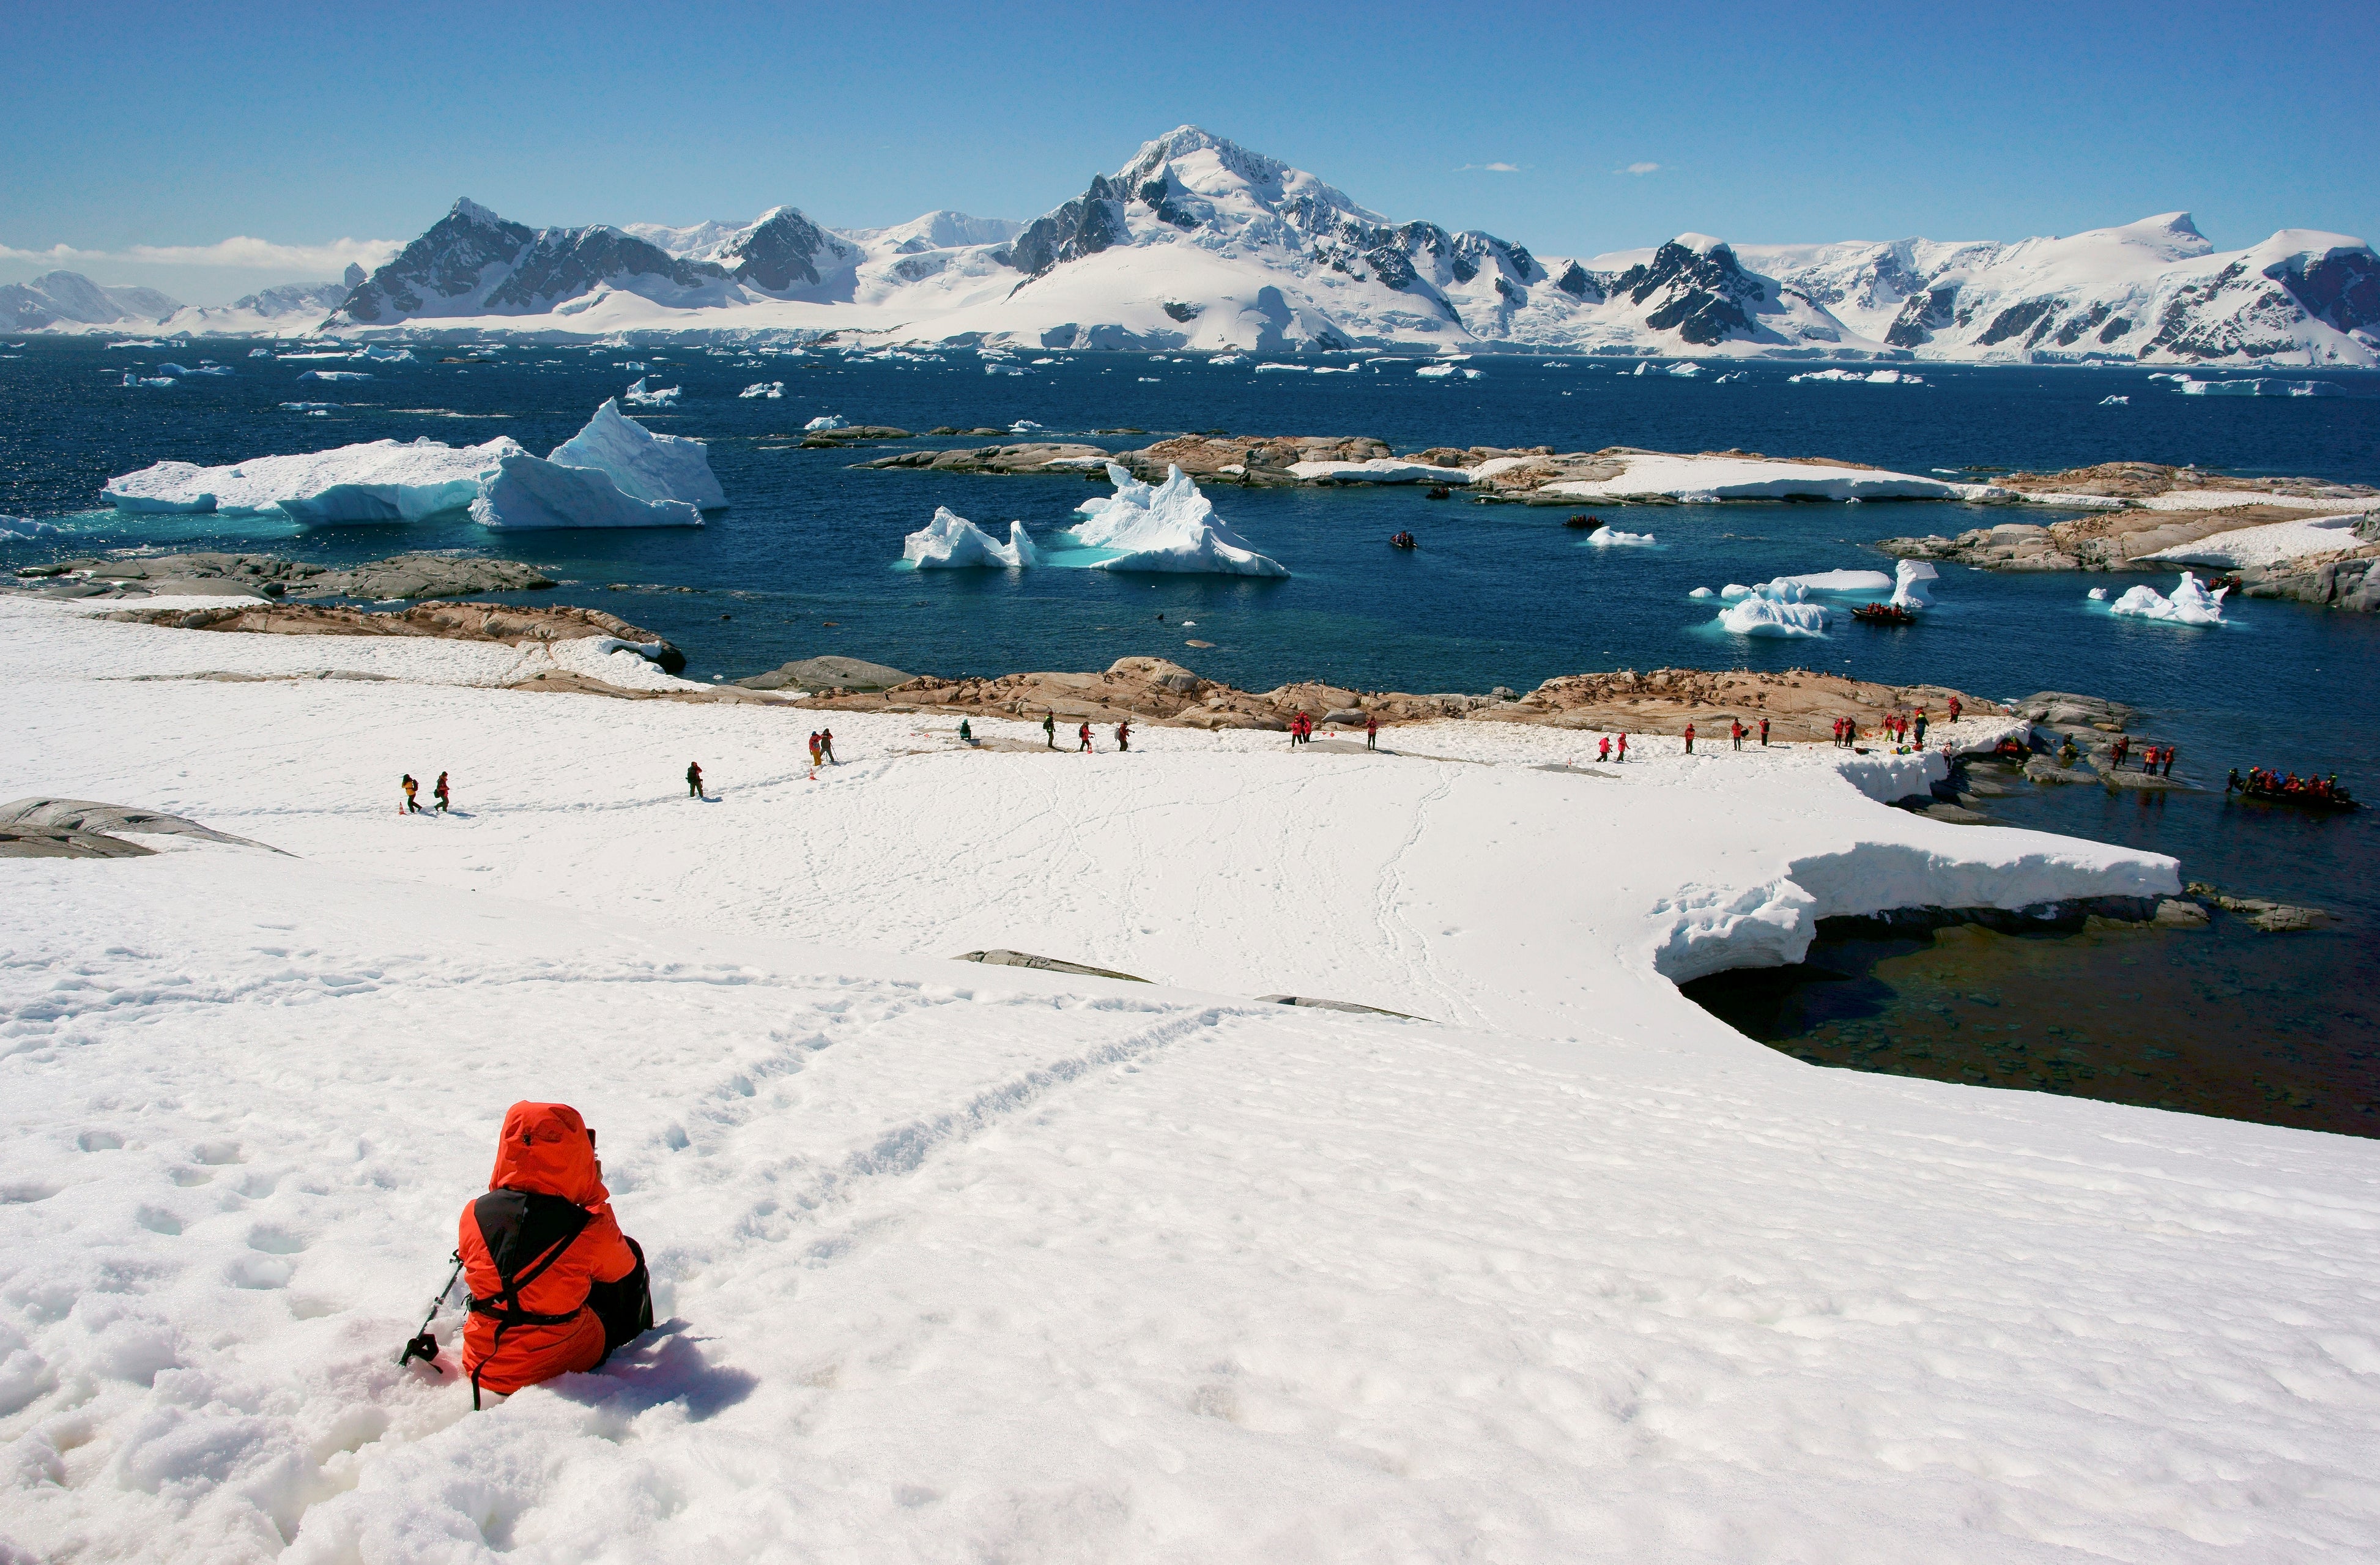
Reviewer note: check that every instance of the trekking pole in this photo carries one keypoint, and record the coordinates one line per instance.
(424, 1345)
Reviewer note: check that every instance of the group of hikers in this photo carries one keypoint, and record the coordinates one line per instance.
(2155, 759)
(412, 805)
(2257, 780)
(1736, 732)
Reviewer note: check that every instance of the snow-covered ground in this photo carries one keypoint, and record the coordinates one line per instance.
(1658, 475)
(2271, 544)
(961, 1261)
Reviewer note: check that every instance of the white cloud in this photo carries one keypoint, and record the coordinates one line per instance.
(239, 251)
(1490, 167)
(1639, 168)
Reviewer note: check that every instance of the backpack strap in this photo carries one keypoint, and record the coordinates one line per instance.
(525, 1234)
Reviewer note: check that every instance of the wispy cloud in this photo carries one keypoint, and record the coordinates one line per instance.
(1639, 168)
(260, 255)
(1490, 168)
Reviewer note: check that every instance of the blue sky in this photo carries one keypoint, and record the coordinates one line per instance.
(187, 124)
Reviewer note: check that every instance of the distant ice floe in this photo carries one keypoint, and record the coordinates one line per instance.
(2255, 387)
(2192, 604)
(1169, 526)
(1026, 426)
(2115, 402)
(1858, 377)
(1435, 372)
(133, 378)
(826, 421)
(953, 542)
(1612, 538)
(2097, 595)
(771, 389)
(1219, 360)
(1685, 369)
(642, 396)
(207, 368)
(24, 530)
(1702, 592)
(335, 375)
(1283, 369)
(614, 473)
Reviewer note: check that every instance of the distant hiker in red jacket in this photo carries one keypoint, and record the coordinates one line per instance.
(1084, 734)
(557, 1288)
(693, 780)
(1735, 731)
(1763, 733)
(826, 746)
(1603, 751)
(438, 791)
(1124, 732)
(1690, 739)
(1954, 709)
(1623, 747)
(1371, 730)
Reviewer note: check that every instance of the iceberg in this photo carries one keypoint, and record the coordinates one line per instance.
(637, 395)
(1702, 592)
(1909, 578)
(1871, 378)
(825, 420)
(2115, 402)
(1685, 369)
(335, 375)
(528, 493)
(643, 465)
(1169, 526)
(23, 529)
(1758, 616)
(2192, 604)
(1612, 538)
(134, 378)
(206, 367)
(384, 481)
(1835, 581)
(1285, 369)
(771, 389)
(2188, 386)
(1434, 372)
(953, 542)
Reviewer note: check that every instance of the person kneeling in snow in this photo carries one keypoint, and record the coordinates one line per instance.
(557, 1288)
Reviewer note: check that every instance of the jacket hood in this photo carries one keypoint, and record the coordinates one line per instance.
(546, 1149)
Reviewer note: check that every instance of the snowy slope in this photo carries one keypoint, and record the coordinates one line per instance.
(291, 309)
(68, 301)
(968, 1261)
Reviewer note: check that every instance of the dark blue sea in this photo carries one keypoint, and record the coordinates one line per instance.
(802, 564)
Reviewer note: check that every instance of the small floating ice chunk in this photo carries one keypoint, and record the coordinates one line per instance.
(1025, 426)
(2190, 386)
(640, 396)
(1734, 590)
(2192, 604)
(135, 378)
(826, 421)
(2097, 595)
(1702, 592)
(1219, 360)
(1435, 372)
(260, 353)
(2115, 402)
(1685, 369)
(771, 389)
(953, 542)
(1612, 538)
(335, 375)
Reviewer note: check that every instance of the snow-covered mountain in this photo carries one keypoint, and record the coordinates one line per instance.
(70, 301)
(1201, 244)
(2154, 289)
(269, 310)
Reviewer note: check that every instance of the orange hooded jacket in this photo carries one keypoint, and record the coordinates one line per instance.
(546, 1150)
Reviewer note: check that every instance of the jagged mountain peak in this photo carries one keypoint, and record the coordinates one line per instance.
(471, 211)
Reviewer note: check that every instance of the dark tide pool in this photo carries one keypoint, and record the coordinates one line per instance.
(802, 564)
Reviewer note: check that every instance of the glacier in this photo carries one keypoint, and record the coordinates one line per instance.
(1166, 527)
(953, 542)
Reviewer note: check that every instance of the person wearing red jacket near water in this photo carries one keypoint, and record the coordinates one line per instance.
(557, 1288)
(1371, 730)
(1690, 739)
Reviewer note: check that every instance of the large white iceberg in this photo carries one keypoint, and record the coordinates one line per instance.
(1612, 538)
(614, 473)
(646, 466)
(1169, 526)
(529, 492)
(384, 481)
(2192, 604)
(639, 396)
(953, 542)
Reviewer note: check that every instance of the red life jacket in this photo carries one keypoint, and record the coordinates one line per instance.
(531, 1247)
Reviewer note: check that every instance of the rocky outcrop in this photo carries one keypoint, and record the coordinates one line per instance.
(2349, 581)
(828, 674)
(456, 622)
(1799, 704)
(270, 575)
(2273, 918)
(80, 829)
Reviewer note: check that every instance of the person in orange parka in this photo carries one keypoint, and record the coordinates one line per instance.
(555, 1286)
